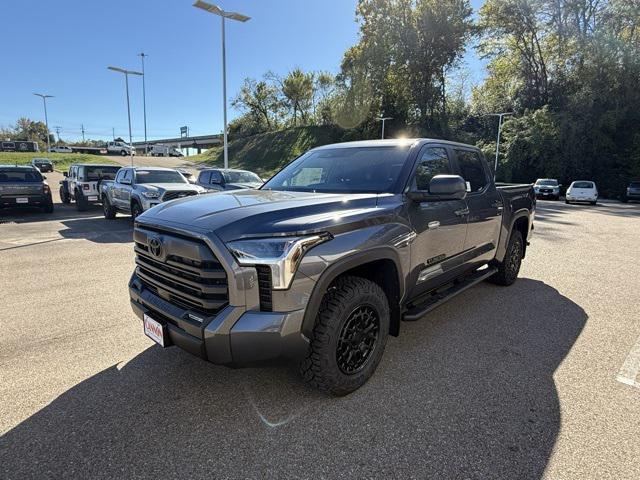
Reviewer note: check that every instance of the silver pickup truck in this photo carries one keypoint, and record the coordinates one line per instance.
(137, 189)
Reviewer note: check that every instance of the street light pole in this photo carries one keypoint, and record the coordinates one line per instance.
(126, 82)
(224, 15)
(384, 119)
(46, 120)
(142, 55)
(500, 117)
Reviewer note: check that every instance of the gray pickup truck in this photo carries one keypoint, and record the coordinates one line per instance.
(24, 186)
(136, 189)
(323, 262)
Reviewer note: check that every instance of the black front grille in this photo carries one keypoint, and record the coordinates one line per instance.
(185, 272)
(178, 194)
(264, 288)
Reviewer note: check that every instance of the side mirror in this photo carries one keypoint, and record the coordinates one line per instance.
(66, 174)
(442, 187)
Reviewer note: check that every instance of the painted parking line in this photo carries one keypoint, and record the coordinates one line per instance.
(628, 374)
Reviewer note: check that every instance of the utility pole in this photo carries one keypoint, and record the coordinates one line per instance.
(500, 116)
(57, 129)
(142, 55)
(82, 128)
(113, 132)
(46, 120)
(383, 119)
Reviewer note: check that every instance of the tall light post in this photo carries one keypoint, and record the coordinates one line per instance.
(233, 16)
(46, 120)
(126, 82)
(383, 119)
(142, 55)
(500, 116)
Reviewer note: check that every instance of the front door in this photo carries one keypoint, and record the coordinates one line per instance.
(440, 225)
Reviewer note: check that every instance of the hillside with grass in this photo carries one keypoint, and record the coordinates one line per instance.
(61, 161)
(266, 153)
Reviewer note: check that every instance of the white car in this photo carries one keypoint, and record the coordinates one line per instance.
(582, 191)
(60, 149)
(547, 188)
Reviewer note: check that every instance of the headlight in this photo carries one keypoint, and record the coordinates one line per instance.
(150, 194)
(281, 254)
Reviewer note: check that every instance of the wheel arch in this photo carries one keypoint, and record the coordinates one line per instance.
(380, 265)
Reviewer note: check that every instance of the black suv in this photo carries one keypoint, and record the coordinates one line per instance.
(24, 186)
(632, 192)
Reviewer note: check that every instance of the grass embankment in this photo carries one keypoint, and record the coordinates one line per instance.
(61, 161)
(266, 153)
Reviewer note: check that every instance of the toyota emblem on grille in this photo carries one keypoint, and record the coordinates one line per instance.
(155, 246)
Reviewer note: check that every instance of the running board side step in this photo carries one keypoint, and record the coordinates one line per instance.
(419, 311)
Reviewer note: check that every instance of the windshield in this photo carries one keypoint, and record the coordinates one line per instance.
(41, 161)
(583, 185)
(348, 170)
(19, 176)
(547, 183)
(100, 173)
(241, 177)
(159, 176)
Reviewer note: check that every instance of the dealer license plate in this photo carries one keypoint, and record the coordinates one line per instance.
(154, 330)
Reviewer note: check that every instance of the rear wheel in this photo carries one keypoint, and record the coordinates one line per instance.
(108, 209)
(48, 207)
(349, 336)
(81, 203)
(508, 269)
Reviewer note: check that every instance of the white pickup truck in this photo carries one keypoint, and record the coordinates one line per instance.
(120, 148)
(137, 189)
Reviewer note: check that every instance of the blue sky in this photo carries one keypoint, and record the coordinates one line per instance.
(63, 48)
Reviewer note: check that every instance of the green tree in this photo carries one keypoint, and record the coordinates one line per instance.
(297, 88)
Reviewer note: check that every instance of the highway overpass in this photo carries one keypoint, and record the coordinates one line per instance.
(198, 143)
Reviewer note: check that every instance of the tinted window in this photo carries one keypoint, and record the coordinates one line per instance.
(583, 185)
(204, 177)
(471, 170)
(216, 177)
(433, 161)
(19, 176)
(98, 172)
(348, 170)
(634, 185)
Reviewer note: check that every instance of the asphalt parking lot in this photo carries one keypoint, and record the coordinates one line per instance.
(516, 383)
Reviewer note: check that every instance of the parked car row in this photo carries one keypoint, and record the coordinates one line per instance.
(579, 190)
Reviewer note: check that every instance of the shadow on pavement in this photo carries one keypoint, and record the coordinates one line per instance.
(60, 212)
(99, 229)
(552, 211)
(467, 392)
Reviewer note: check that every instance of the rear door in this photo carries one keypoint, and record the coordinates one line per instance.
(484, 204)
(440, 225)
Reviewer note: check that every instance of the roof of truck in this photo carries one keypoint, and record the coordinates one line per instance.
(392, 142)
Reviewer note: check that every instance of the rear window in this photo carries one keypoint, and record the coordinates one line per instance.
(583, 185)
(100, 173)
(241, 177)
(19, 176)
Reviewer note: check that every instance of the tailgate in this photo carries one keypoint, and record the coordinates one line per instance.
(20, 189)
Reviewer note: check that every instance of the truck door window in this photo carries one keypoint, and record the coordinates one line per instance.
(433, 161)
(472, 170)
(216, 177)
(205, 177)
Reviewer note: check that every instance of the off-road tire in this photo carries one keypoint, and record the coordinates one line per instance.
(64, 196)
(48, 207)
(508, 269)
(136, 209)
(108, 209)
(123, 153)
(81, 203)
(347, 296)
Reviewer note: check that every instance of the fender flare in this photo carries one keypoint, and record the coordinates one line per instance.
(336, 269)
(517, 215)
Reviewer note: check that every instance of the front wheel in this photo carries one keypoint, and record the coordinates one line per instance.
(349, 336)
(136, 210)
(123, 153)
(509, 268)
(64, 196)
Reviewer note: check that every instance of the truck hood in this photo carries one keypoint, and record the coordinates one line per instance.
(254, 213)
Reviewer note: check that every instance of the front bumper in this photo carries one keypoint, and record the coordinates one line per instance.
(233, 337)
